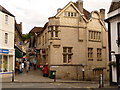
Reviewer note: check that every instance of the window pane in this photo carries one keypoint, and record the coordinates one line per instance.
(6, 38)
(68, 13)
(72, 14)
(64, 50)
(52, 34)
(56, 34)
(5, 64)
(64, 58)
(69, 58)
(6, 19)
(69, 50)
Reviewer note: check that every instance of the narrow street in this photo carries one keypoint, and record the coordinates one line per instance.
(32, 76)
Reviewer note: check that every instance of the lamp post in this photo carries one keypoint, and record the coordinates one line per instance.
(83, 71)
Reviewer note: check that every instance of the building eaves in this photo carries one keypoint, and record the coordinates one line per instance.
(36, 30)
(2, 9)
(114, 6)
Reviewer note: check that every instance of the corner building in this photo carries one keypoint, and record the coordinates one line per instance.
(74, 43)
(7, 52)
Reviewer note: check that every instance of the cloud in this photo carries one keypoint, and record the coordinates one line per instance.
(36, 12)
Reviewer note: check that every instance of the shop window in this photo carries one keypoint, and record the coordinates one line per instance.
(5, 63)
(67, 54)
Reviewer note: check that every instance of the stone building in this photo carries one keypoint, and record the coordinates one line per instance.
(74, 43)
(18, 42)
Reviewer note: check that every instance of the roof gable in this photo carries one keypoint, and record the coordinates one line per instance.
(114, 6)
(73, 5)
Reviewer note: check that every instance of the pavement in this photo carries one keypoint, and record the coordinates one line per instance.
(35, 79)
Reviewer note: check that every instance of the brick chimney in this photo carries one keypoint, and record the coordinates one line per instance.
(79, 5)
(102, 13)
(20, 27)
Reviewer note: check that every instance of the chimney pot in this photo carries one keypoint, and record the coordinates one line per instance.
(102, 13)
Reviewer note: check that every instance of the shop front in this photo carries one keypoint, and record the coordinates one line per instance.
(6, 62)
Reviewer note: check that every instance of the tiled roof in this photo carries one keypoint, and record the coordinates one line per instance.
(36, 30)
(85, 12)
(114, 6)
(2, 9)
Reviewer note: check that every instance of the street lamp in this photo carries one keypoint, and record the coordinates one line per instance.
(83, 71)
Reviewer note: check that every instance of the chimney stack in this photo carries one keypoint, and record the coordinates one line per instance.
(20, 27)
(59, 9)
(102, 13)
(79, 5)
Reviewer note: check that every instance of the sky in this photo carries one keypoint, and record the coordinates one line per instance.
(36, 12)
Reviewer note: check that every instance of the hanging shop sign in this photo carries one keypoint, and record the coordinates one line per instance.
(4, 51)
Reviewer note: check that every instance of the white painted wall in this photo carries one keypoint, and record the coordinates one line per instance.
(114, 37)
(6, 28)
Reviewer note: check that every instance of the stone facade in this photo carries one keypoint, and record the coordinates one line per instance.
(74, 43)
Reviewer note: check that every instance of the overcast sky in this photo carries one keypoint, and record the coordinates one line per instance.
(36, 12)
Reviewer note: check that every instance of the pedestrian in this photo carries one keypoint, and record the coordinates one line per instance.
(27, 65)
(23, 65)
(34, 63)
(20, 67)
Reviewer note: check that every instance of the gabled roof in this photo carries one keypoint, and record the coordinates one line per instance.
(2, 9)
(85, 12)
(36, 30)
(114, 6)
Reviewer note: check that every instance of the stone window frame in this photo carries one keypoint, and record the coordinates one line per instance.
(99, 54)
(90, 54)
(94, 35)
(70, 14)
(67, 55)
(54, 31)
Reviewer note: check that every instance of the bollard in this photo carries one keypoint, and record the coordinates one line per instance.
(55, 78)
(54, 73)
(12, 75)
(101, 81)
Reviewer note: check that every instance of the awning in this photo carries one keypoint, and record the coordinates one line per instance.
(18, 54)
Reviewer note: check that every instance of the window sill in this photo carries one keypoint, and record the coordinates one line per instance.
(54, 39)
(90, 59)
(95, 40)
(99, 59)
